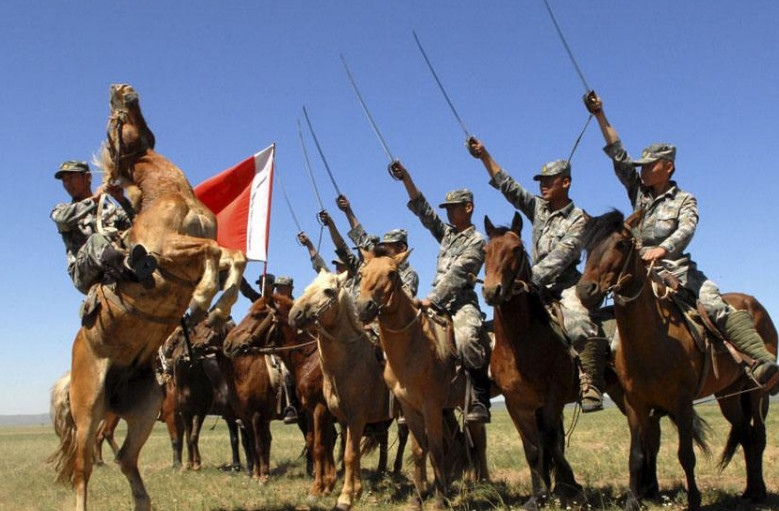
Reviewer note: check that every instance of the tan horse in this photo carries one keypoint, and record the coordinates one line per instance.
(114, 350)
(353, 386)
(661, 369)
(421, 373)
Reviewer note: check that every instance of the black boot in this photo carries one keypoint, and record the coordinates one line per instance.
(141, 262)
(479, 412)
(138, 265)
(591, 381)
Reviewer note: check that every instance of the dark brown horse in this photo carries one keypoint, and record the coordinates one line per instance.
(530, 364)
(661, 368)
(265, 329)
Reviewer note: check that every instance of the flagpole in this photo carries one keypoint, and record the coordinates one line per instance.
(267, 221)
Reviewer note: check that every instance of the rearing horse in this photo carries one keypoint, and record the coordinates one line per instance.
(530, 365)
(421, 373)
(662, 369)
(114, 350)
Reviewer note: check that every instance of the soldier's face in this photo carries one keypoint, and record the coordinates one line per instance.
(656, 174)
(283, 289)
(459, 214)
(77, 184)
(554, 188)
(340, 268)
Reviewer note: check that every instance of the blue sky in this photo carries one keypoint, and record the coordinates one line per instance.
(222, 80)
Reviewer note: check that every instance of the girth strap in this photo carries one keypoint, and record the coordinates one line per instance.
(111, 296)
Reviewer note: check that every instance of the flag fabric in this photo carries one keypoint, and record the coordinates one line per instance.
(240, 197)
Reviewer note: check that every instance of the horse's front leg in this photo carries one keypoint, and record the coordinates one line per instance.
(434, 426)
(234, 262)
(525, 421)
(685, 421)
(416, 426)
(352, 488)
(637, 458)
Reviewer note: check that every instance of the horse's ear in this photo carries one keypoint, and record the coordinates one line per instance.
(367, 255)
(516, 224)
(341, 278)
(488, 227)
(634, 219)
(401, 258)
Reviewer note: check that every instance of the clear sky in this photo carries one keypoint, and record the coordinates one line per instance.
(222, 80)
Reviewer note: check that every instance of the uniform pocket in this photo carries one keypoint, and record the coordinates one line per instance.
(664, 226)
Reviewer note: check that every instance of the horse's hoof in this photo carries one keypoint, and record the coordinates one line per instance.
(413, 504)
(99, 463)
(755, 496)
(632, 504)
(196, 467)
(312, 499)
(342, 506)
(531, 504)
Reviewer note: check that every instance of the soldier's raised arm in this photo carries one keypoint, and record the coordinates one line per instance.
(356, 232)
(341, 248)
(623, 165)
(418, 204)
(515, 193)
(316, 260)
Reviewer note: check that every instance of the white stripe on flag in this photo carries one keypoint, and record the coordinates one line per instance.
(259, 210)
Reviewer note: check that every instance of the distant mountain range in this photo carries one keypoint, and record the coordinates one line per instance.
(40, 419)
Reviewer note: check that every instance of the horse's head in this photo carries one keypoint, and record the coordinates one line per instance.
(205, 338)
(380, 282)
(128, 134)
(610, 245)
(506, 262)
(260, 328)
(320, 301)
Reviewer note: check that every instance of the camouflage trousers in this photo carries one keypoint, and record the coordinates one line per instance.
(576, 317)
(472, 344)
(709, 295)
(87, 269)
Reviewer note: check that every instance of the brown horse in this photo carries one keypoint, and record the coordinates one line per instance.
(105, 433)
(114, 350)
(421, 373)
(353, 386)
(265, 329)
(530, 365)
(661, 368)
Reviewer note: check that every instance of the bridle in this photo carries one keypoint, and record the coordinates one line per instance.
(518, 285)
(383, 307)
(623, 277)
(321, 330)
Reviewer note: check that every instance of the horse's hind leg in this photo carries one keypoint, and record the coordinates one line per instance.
(197, 425)
(402, 439)
(565, 481)
(232, 428)
(526, 423)
(140, 421)
(649, 487)
(383, 454)
(685, 422)
(745, 413)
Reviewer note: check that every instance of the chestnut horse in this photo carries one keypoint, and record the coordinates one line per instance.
(353, 385)
(421, 372)
(265, 329)
(530, 365)
(113, 352)
(661, 368)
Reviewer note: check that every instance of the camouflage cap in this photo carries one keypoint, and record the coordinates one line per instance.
(554, 168)
(72, 166)
(396, 236)
(463, 195)
(284, 281)
(656, 152)
(269, 277)
(370, 242)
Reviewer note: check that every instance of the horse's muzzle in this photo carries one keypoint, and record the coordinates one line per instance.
(298, 318)
(492, 294)
(589, 293)
(367, 310)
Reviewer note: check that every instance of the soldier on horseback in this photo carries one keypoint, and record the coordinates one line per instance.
(558, 228)
(459, 261)
(667, 227)
(93, 252)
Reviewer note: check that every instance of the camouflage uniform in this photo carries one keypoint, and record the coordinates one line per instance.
(557, 246)
(408, 275)
(77, 224)
(460, 259)
(669, 222)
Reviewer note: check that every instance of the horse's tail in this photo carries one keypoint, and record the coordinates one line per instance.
(735, 438)
(369, 444)
(700, 430)
(64, 457)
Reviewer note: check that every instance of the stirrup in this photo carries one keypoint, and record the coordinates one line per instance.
(591, 399)
(478, 414)
(769, 381)
(290, 415)
(141, 262)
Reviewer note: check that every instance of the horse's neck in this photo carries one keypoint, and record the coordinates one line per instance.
(513, 320)
(344, 336)
(395, 342)
(155, 176)
(637, 319)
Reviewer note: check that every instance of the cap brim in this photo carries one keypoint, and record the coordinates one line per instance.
(452, 203)
(644, 161)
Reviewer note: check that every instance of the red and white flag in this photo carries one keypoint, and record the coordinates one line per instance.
(240, 198)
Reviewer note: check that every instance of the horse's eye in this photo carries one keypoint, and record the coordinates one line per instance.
(392, 274)
(330, 292)
(622, 245)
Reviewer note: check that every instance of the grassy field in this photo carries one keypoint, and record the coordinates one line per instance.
(598, 453)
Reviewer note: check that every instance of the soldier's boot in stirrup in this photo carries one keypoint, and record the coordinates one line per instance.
(479, 411)
(140, 262)
(592, 381)
(290, 415)
(740, 330)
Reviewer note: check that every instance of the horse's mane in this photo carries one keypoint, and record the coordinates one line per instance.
(105, 162)
(381, 251)
(601, 227)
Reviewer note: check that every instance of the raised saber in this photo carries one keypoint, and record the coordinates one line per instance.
(367, 112)
(289, 204)
(308, 169)
(319, 148)
(440, 86)
(567, 48)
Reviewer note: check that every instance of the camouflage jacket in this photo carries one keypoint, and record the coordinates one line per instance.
(460, 259)
(354, 264)
(669, 219)
(557, 235)
(318, 263)
(408, 276)
(77, 221)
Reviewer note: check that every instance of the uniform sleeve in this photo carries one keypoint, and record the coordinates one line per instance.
(429, 218)
(624, 169)
(124, 218)
(461, 274)
(358, 236)
(348, 257)
(687, 223)
(247, 290)
(566, 252)
(411, 281)
(318, 263)
(67, 216)
(515, 193)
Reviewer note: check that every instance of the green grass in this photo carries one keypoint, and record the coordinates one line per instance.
(597, 452)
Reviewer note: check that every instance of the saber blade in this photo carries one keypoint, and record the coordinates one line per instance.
(289, 204)
(440, 85)
(319, 148)
(567, 48)
(308, 168)
(365, 109)
(579, 138)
